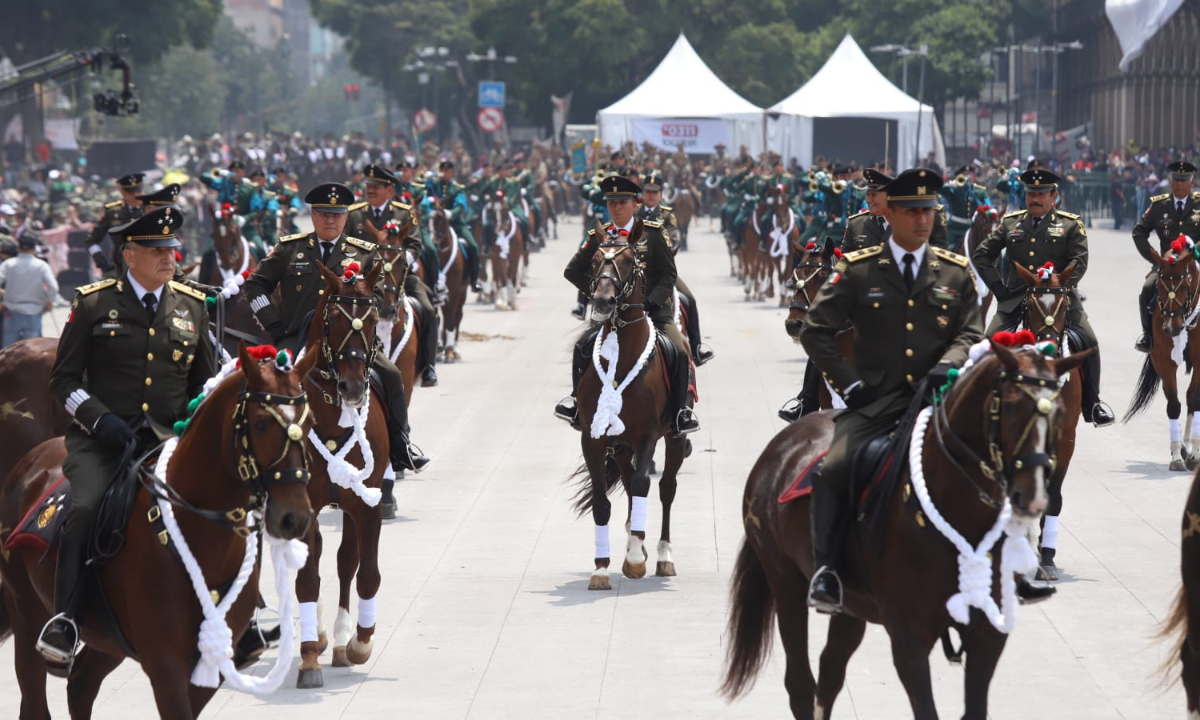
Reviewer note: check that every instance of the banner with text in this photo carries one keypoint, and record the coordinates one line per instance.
(699, 136)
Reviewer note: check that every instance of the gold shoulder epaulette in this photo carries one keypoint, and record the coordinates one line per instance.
(592, 231)
(186, 290)
(1156, 198)
(864, 253)
(368, 246)
(1066, 214)
(114, 204)
(943, 253)
(1016, 213)
(858, 214)
(1196, 195)
(356, 206)
(289, 238)
(666, 208)
(401, 205)
(652, 223)
(89, 289)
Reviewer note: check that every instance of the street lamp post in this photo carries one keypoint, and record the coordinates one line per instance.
(492, 57)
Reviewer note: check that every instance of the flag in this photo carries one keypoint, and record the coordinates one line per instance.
(1135, 22)
(562, 108)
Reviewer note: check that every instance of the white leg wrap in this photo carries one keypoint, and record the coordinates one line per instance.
(664, 551)
(308, 622)
(1176, 435)
(602, 550)
(1187, 428)
(366, 612)
(1050, 533)
(637, 518)
(343, 628)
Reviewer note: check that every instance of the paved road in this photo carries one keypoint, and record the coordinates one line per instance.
(484, 611)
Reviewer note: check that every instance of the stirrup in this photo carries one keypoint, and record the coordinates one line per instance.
(793, 407)
(826, 607)
(680, 431)
(1103, 406)
(54, 654)
(561, 412)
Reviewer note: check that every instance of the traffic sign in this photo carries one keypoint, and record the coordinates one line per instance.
(424, 120)
(491, 119)
(491, 94)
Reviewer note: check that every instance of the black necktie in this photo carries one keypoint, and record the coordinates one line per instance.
(151, 304)
(378, 217)
(910, 270)
(1035, 222)
(1179, 206)
(879, 219)
(326, 251)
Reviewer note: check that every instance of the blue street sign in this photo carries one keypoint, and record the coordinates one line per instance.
(491, 94)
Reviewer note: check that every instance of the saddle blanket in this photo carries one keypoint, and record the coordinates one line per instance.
(40, 525)
(802, 485)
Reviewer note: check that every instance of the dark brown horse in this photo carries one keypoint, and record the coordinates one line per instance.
(161, 620)
(1183, 623)
(229, 257)
(1175, 342)
(906, 578)
(684, 208)
(343, 336)
(29, 414)
(781, 235)
(620, 442)
(506, 250)
(810, 274)
(396, 313)
(453, 263)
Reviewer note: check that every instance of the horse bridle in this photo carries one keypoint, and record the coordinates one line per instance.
(1172, 292)
(802, 282)
(1049, 321)
(609, 250)
(358, 326)
(995, 468)
(393, 282)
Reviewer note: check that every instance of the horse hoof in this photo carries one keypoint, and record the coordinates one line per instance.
(633, 570)
(339, 657)
(323, 642)
(359, 653)
(664, 569)
(1047, 573)
(599, 582)
(309, 679)
(1192, 461)
(1178, 466)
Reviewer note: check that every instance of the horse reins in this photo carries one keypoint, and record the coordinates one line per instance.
(333, 356)
(1172, 292)
(610, 249)
(802, 282)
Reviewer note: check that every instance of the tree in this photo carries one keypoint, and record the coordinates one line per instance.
(183, 95)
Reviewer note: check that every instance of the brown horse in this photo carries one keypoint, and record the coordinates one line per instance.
(620, 442)
(453, 273)
(1183, 622)
(506, 249)
(545, 193)
(684, 207)
(1174, 335)
(250, 420)
(1045, 313)
(29, 414)
(229, 257)
(343, 337)
(905, 575)
(397, 316)
(757, 281)
(782, 235)
(809, 275)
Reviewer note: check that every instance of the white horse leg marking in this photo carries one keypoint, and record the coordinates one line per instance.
(320, 615)
(1041, 440)
(343, 628)
(602, 549)
(636, 553)
(664, 552)
(818, 712)
(637, 517)
(309, 615)
(366, 612)
(1050, 532)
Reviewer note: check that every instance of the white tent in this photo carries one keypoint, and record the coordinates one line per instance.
(682, 101)
(849, 86)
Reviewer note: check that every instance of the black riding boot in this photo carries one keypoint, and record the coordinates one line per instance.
(1094, 411)
(828, 519)
(685, 418)
(404, 455)
(567, 408)
(701, 353)
(1145, 300)
(473, 268)
(809, 399)
(60, 636)
(427, 355)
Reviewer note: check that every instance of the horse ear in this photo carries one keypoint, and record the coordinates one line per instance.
(1007, 357)
(599, 230)
(373, 274)
(308, 362)
(1025, 275)
(329, 275)
(830, 246)
(1064, 277)
(1155, 257)
(1067, 364)
(249, 366)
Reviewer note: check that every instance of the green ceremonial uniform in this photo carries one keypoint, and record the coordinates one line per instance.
(662, 214)
(113, 358)
(961, 203)
(454, 200)
(109, 261)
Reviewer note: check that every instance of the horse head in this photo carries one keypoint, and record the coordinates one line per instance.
(270, 426)
(226, 236)
(616, 273)
(395, 263)
(348, 313)
(1178, 282)
(1047, 301)
(810, 274)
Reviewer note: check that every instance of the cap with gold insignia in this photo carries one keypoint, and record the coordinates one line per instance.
(165, 196)
(446, 165)
(1039, 180)
(917, 187)
(378, 175)
(619, 186)
(652, 181)
(257, 172)
(1181, 170)
(330, 197)
(237, 165)
(131, 182)
(876, 179)
(155, 229)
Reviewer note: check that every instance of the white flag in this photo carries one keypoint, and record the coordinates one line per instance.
(1136, 21)
(562, 108)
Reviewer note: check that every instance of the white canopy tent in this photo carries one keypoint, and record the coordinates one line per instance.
(850, 86)
(683, 101)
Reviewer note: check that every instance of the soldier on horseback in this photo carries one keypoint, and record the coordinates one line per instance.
(382, 211)
(1033, 237)
(453, 198)
(1168, 215)
(962, 198)
(116, 213)
(134, 351)
(653, 210)
(621, 195)
(293, 267)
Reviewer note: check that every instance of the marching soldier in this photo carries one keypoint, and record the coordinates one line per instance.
(295, 260)
(116, 213)
(653, 210)
(1169, 215)
(453, 197)
(1033, 237)
(876, 386)
(379, 209)
(134, 351)
(659, 273)
(962, 198)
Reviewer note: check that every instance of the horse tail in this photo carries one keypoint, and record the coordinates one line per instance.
(581, 503)
(1175, 629)
(751, 623)
(1147, 387)
(5, 620)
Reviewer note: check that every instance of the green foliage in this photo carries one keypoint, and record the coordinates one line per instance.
(184, 94)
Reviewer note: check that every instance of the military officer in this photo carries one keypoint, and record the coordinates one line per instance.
(653, 210)
(293, 267)
(164, 197)
(659, 284)
(887, 292)
(453, 197)
(412, 193)
(379, 209)
(869, 227)
(1033, 237)
(116, 213)
(133, 352)
(1169, 215)
(289, 198)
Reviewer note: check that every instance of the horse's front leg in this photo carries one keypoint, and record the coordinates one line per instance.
(1170, 388)
(308, 590)
(596, 458)
(369, 523)
(983, 648)
(347, 566)
(910, 655)
(639, 491)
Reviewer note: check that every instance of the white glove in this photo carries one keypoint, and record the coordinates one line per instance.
(474, 198)
(409, 258)
(748, 197)
(770, 201)
(522, 192)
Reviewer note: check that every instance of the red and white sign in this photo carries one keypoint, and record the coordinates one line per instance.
(491, 119)
(697, 135)
(424, 120)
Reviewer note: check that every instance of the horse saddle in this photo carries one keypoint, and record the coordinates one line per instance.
(872, 463)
